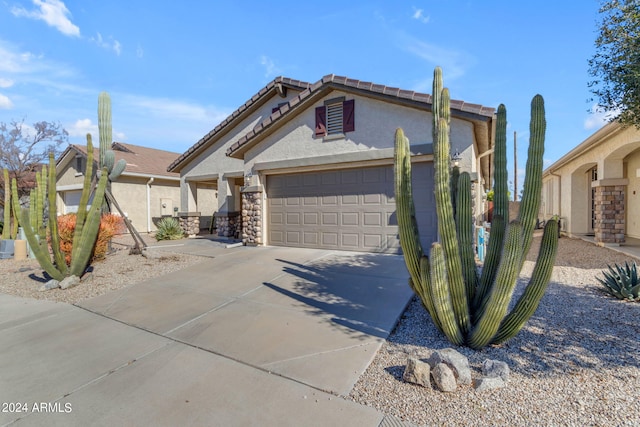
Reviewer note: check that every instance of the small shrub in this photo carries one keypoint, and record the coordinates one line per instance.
(110, 225)
(169, 229)
(622, 282)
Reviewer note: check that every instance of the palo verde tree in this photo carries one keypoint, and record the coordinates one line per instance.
(615, 67)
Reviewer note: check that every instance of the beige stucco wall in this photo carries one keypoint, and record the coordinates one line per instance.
(131, 195)
(633, 194)
(375, 126)
(614, 151)
(214, 161)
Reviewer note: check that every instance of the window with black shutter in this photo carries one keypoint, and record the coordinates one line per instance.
(335, 117)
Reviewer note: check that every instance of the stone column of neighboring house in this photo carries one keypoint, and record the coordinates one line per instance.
(252, 215)
(190, 223)
(609, 226)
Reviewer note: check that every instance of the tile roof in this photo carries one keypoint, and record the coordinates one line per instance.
(331, 81)
(279, 84)
(140, 160)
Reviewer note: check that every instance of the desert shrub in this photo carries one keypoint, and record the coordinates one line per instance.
(110, 225)
(169, 229)
(622, 282)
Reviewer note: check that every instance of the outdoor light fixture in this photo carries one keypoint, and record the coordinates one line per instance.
(455, 159)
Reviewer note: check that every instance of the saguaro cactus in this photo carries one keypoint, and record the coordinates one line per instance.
(470, 309)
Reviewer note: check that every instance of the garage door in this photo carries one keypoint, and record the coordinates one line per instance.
(350, 209)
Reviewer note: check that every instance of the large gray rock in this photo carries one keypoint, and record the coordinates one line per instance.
(495, 368)
(488, 383)
(444, 377)
(51, 284)
(69, 282)
(417, 372)
(458, 363)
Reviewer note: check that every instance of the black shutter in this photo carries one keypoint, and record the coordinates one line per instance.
(348, 116)
(321, 121)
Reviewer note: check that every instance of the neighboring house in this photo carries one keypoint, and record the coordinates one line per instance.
(145, 191)
(595, 188)
(311, 165)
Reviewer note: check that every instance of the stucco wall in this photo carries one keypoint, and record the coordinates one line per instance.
(633, 194)
(215, 161)
(614, 151)
(68, 175)
(131, 195)
(375, 125)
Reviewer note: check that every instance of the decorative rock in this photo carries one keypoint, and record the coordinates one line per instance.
(488, 383)
(456, 361)
(444, 377)
(151, 254)
(495, 368)
(69, 282)
(417, 372)
(51, 284)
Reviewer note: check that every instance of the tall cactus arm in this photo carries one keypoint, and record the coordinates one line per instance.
(405, 211)
(86, 193)
(530, 298)
(491, 314)
(501, 188)
(6, 229)
(442, 300)
(52, 195)
(530, 204)
(38, 247)
(464, 228)
(104, 125)
(117, 169)
(447, 228)
(83, 248)
(425, 291)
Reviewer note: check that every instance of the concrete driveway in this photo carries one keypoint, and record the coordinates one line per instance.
(250, 336)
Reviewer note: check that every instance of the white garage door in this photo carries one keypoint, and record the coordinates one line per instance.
(350, 209)
(72, 201)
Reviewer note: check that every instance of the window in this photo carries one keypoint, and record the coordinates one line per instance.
(78, 165)
(335, 117)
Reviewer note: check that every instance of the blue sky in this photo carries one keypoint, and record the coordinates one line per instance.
(176, 69)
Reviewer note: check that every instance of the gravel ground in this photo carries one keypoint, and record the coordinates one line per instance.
(24, 278)
(575, 363)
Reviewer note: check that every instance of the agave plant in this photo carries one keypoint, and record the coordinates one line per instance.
(169, 229)
(622, 282)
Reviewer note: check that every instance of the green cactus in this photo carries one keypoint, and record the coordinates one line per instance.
(6, 229)
(107, 158)
(470, 309)
(87, 222)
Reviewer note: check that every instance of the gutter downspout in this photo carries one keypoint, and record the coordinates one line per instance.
(149, 204)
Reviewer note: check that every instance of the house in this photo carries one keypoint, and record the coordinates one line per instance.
(595, 187)
(311, 165)
(145, 191)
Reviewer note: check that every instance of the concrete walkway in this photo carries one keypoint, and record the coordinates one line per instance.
(251, 336)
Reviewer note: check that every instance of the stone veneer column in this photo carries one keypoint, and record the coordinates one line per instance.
(252, 216)
(609, 224)
(190, 223)
(227, 223)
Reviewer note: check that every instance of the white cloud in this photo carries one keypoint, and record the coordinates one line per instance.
(110, 44)
(269, 66)
(5, 102)
(82, 127)
(419, 15)
(53, 12)
(139, 52)
(6, 82)
(598, 118)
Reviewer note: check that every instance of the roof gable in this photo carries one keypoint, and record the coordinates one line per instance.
(140, 160)
(279, 86)
(460, 109)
